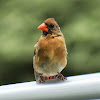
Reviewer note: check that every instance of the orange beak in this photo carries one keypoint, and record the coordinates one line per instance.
(43, 27)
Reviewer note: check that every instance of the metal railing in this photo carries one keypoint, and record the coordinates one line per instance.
(74, 88)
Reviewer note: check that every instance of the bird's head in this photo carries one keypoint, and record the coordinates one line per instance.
(50, 26)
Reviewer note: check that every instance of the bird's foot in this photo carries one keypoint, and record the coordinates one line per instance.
(41, 80)
(61, 77)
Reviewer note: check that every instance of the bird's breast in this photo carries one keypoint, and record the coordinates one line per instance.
(50, 69)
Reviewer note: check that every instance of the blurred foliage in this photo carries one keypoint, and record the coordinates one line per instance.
(79, 21)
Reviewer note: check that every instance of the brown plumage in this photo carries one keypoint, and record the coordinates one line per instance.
(50, 55)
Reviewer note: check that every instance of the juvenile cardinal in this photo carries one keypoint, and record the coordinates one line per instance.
(50, 55)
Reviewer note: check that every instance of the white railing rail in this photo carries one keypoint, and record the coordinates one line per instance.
(75, 87)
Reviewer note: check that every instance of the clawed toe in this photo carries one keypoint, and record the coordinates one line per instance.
(41, 81)
(61, 77)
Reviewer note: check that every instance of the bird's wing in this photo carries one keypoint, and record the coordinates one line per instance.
(36, 52)
(35, 57)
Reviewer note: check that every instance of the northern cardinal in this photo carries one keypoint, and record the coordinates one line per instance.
(50, 55)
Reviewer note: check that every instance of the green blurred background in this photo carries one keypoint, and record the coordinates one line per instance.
(79, 21)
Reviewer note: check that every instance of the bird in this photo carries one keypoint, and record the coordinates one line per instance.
(50, 54)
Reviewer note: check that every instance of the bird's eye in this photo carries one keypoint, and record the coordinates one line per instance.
(51, 25)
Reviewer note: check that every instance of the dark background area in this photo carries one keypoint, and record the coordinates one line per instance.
(79, 21)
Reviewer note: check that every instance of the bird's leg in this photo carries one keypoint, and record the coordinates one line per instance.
(41, 79)
(61, 77)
